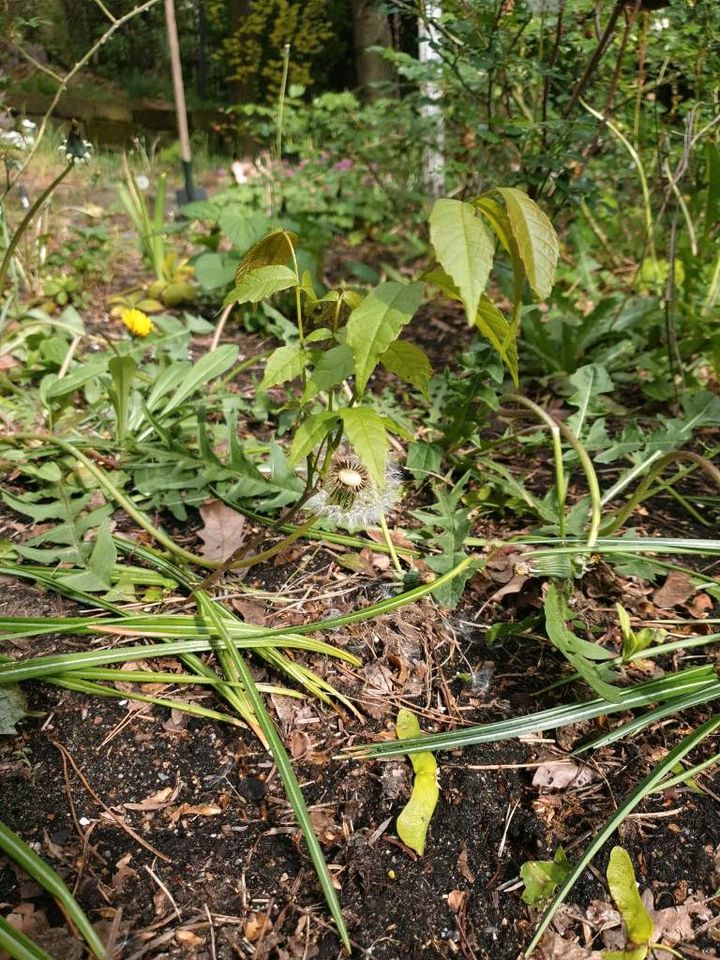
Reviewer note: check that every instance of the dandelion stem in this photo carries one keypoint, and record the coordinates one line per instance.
(27, 220)
(391, 545)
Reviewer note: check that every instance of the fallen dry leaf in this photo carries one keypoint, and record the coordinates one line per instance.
(255, 925)
(222, 530)
(463, 865)
(554, 947)
(700, 605)
(197, 810)
(156, 801)
(558, 774)
(456, 900)
(675, 591)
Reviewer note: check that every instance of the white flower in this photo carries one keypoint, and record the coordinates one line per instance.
(350, 498)
(143, 182)
(660, 23)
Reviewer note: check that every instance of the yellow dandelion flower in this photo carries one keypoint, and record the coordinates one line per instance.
(138, 323)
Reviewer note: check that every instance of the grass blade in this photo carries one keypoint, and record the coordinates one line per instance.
(209, 609)
(17, 945)
(641, 695)
(645, 787)
(35, 867)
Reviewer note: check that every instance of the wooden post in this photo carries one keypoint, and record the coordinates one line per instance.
(179, 92)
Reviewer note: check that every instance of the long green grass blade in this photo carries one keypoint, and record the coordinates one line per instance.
(35, 867)
(667, 688)
(17, 945)
(15, 671)
(645, 787)
(675, 706)
(209, 609)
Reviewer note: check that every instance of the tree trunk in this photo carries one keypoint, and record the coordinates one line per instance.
(371, 28)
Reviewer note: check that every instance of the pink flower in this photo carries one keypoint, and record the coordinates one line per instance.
(343, 165)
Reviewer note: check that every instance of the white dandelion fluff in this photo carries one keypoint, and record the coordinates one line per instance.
(350, 498)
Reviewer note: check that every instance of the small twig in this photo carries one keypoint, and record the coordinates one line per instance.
(115, 25)
(221, 326)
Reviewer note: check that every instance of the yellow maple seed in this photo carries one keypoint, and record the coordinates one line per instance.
(413, 822)
(138, 323)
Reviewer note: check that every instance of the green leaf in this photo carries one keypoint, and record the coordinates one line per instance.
(535, 238)
(122, 370)
(623, 887)
(282, 365)
(334, 366)
(413, 822)
(215, 270)
(90, 370)
(209, 366)
(502, 335)
(366, 432)
(543, 877)
(262, 282)
(378, 320)
(590, 382)
(465, 248)
(636, 953)
(310, 433)
(13, 707)
(18, 945)
(579, 653)
(409, 362)
(241, 228)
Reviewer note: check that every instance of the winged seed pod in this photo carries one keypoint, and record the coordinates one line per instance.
(348, 495)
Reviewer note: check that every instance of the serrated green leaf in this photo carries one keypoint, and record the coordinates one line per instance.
(543, 877)
(366, 432)
(590, 382)
(282, 365)
(465, 248)
(535, 238)
(262, 282)
(409, 362)
(579, 653)
(334, 366)
(378, 320)
(502, 335)
(310, 433)
(88, 371)
(414, 820)
(623, 887)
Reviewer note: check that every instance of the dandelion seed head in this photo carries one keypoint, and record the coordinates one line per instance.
(350, 498)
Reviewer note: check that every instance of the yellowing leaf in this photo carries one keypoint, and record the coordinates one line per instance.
(623, 887)
(413, 822)
(465, 248)
(365, 429)
(535, 238)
